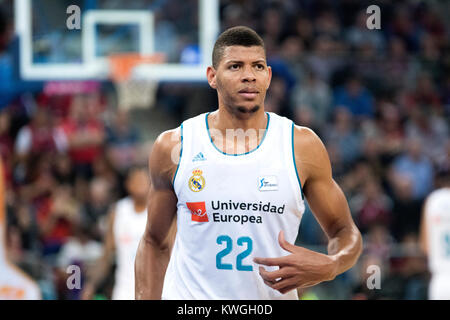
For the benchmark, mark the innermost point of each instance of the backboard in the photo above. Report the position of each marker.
(54, 47)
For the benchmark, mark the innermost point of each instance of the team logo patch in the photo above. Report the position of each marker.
(198, 211)
(196, 181)
(267, 183)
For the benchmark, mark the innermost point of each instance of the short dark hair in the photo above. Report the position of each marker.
(236, 36)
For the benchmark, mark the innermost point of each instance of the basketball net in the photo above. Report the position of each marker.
(133, 93)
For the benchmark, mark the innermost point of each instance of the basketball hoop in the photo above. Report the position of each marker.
(133, 93)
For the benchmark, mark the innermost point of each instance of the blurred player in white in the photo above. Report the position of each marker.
(14, 283)
(435, 238)
(126, 224)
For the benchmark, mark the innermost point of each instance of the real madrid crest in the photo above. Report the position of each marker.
(196, 181)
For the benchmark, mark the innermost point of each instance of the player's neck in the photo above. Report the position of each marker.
(222, 120)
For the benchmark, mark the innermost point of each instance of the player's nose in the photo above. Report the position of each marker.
(248, 74)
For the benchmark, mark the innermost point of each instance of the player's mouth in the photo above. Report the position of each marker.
(248, 93)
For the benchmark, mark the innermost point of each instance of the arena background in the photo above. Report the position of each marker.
(379, 99)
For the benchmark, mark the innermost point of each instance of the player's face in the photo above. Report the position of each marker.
(241, 79)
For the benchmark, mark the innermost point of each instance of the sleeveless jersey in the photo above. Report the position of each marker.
(437, 215)
(231, 209)
(129, 227)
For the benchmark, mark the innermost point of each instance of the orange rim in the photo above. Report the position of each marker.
(122, 63)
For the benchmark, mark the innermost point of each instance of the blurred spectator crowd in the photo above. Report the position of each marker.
(379, 99)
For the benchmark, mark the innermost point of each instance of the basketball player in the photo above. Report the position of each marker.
(126, 224)
(14, 283)
(238, 192)
(435, 239)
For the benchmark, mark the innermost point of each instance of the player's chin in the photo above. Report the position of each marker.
(250, 107)
(248, 110)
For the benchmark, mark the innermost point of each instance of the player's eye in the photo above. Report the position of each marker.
(234, 66)
(260, 67)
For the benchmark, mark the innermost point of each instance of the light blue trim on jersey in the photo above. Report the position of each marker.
(295, 166)
(181, 153)
(238, 154)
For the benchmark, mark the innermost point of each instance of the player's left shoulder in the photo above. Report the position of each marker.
(311, 156)
(307, 142)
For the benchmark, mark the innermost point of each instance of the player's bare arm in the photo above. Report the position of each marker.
(154, 248)
(304, 268)
(103, 265)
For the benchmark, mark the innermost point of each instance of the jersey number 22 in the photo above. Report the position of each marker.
(229, 247)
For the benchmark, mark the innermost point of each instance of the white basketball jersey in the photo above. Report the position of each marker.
(231, 209)
(14, 283)
(129, 227)
(437, 215)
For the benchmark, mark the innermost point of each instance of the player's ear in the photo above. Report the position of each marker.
(211, 76)
(269, 69)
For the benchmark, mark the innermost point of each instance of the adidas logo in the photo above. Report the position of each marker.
(199, 157)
